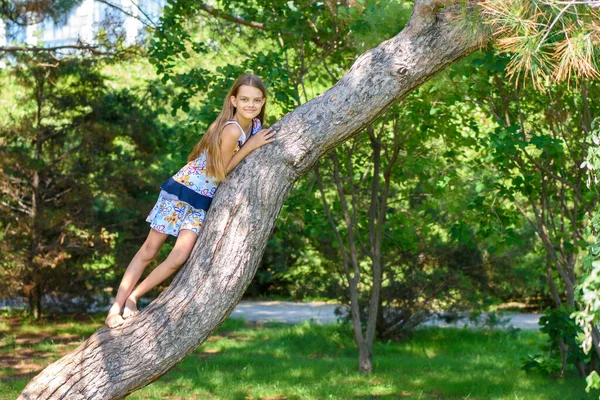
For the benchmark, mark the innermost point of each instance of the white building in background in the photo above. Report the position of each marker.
(2, 33)
(2, 40)
(85, 21)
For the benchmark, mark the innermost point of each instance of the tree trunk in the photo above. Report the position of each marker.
(114, 363)
(364, 350)
(35, 301)
(553, 290)
(365, 358)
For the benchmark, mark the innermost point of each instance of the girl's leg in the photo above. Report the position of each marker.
(181, 251)
(132, 274)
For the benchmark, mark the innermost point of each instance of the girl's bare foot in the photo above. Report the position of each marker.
(114, 320)
(130, 309)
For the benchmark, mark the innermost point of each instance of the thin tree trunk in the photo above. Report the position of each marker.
(365, 362)
(375, 227)
(37, 301)
(551, 283)
(35, 293)
(570, 286)
(34, 299)
(596, 346)
(114, 363)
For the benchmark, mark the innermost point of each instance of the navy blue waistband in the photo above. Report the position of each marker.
(186, 194)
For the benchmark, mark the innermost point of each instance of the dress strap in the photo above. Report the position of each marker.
(243, 136)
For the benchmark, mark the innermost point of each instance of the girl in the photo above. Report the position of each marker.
(185, 198)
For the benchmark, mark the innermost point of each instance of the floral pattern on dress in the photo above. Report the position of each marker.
(171, 216)
(193, 175)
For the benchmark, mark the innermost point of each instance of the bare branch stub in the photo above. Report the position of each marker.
(425, 11)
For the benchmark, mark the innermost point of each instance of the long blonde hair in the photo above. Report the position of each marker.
(211, 141)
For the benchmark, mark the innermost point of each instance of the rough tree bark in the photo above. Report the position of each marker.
(114, 363)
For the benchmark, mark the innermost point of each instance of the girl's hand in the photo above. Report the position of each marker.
(261, 138)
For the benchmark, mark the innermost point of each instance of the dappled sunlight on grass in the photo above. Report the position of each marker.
(304, 361)
(436, 363)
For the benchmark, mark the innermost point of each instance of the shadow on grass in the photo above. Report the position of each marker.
(306, 361)
(279, 361)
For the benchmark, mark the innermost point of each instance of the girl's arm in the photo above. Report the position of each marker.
(229, 139)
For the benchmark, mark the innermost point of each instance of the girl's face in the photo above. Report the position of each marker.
(248, 102)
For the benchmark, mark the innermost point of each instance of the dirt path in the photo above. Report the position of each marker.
(292, 313)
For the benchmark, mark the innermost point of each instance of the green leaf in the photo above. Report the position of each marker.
(593, 381)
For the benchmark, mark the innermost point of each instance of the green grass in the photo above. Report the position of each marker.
(305, 361)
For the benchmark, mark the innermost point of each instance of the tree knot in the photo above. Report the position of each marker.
(425, 13)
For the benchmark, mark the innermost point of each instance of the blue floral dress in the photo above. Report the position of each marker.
(186, 197)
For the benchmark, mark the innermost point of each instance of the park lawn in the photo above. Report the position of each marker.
(308, 361)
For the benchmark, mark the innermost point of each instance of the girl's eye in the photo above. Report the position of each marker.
(257, 101)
